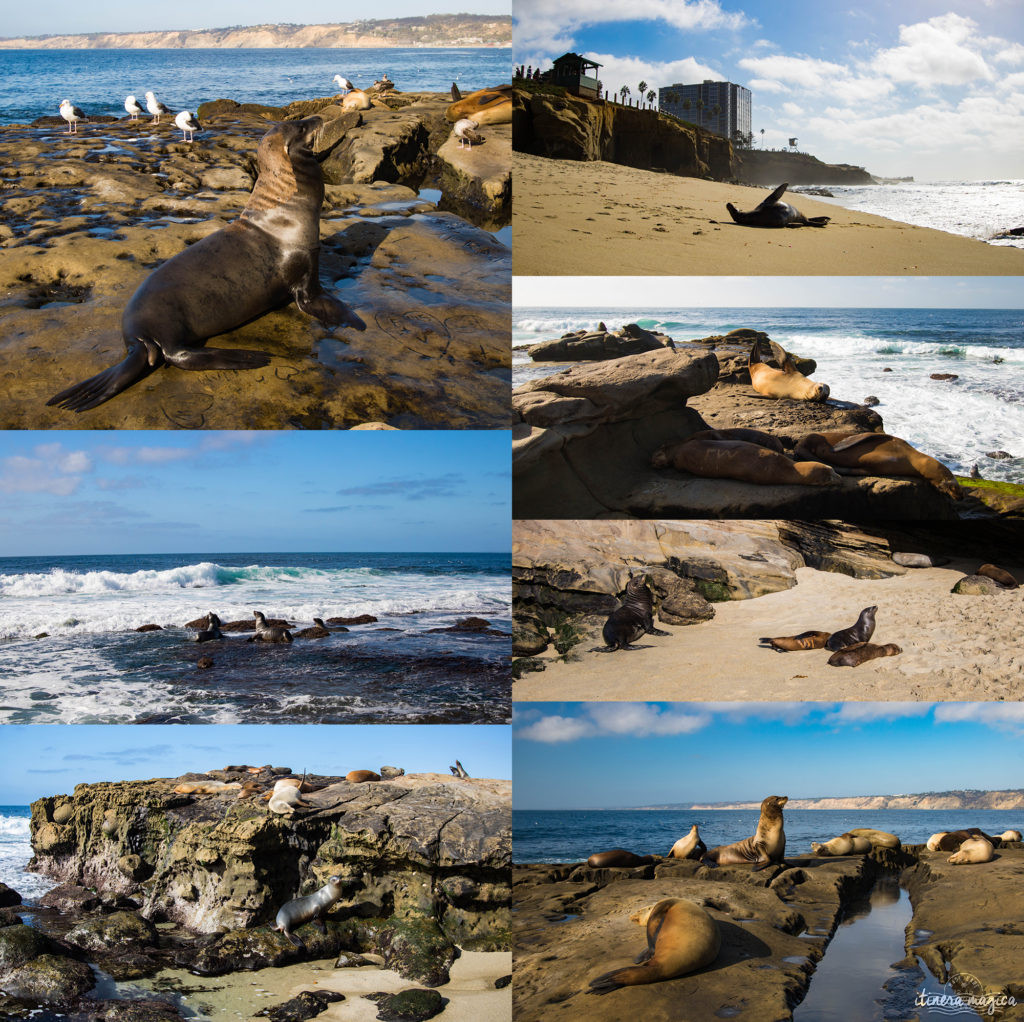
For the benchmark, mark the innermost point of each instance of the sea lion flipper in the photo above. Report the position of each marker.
(456, 94)
(328, 310)
(817, 221)
(851, 441)
(774, 197)
(141, 360)
(219, 358)
(645, 956)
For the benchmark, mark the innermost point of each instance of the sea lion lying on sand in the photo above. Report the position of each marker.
(792, 643)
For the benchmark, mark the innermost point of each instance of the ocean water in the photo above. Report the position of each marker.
(572, 835)
(33, 82)
(976, 209)
(15, 852)
(958, 422)
(93, 667)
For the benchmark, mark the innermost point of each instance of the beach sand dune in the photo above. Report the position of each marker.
(603, 219)
(954, 647)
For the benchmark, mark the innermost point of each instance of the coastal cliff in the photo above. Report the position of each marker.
(968, 800)
(763, 167)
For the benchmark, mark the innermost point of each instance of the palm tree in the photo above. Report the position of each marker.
(650, 97)
(642, 88)
(624, 93)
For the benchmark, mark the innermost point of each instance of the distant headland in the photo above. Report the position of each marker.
(966, 799)
(435, 30)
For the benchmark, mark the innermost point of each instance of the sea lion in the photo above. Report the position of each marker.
(877, 454)
(908, 560)
(975, 849)
(746, 462)
(212, 629)
(485, 106)
(269, 256)
(634, 618)
(751, 436)
(861, 652)
(878, 838)
(618, 857)
(357, 99)
(792, 643)
(787, 381)
(681, 938)
(767, 845)
(269, 633)
(459, 771)
(284, 801)
(204, 787)
(998, 575)
(689, 847)
(310, 909)
(771, 212)
(859, 632)
(318, 631)
(360, 776)
(951, 840)
(1007, 835)
(845, 844)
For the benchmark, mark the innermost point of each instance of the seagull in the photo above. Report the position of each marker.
(344, 83)
(134, 107)
(188, 125)
(155, 107)
(466, 133)
(72, 115)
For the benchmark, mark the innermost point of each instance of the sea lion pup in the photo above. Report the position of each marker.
(787, 381)
(618, 857)
(877, 454)
(269, 256)
(772, 212)
(751, 436)
(269, 633)
(878, 838)
(845, 844)
(745, 462)
(792, 643)
(284, 801)
(681, 938)
(360, 776)
(318, 631)
(485, 106)
(211, 631)
(861, 652)
(634, 618)
(311, 909)
(861, 631)
(998, 575)
(767, 845)
(688, 847)
(975, 849)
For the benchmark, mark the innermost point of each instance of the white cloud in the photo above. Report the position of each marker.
(640, 719)
(1000, 715)
(1012, 54)
(940, 51)
(557, 729)
(19, 474)
(162, 455)
(857, 712)
(619, 71)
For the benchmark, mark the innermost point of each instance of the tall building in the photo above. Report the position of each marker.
(721, 107)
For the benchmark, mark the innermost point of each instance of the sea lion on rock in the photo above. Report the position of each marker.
(311, 909)
(786, 381)
(485, 106)
(772, 212)
(751, 436)
(361, 776)
(792, 643)
(745, 462)
(861, 652)
(1007, 835)
(269, 256)
(318, 631)
(767, 845)
(975, 849)
(877, 454)
(859, 632)
(284, 801)
(681, 938)
(634, 618)
(204, 787)
(998, 575)
(269, 633)
(878, 838)
(689, 847)
(951, 840)
(212, 629)
(618, 857)
(845, 844)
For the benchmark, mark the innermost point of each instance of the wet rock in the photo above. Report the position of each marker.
(348, 960)
(944, 376)
(361, 619)
(8, 917)
(599, 345)
(70, 898)
(529, 636)
(149, 628)
(307, 1004)
(998, 455)
(502, 981)
(481, 175)
(204, 663)
(133, 1011)
(34, 967)
(417, 949)
(121, 930)
(8, 896)
(870, 401)
(408, 1006)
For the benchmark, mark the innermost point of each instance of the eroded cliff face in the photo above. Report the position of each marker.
(419, 847)
(570, 128)
(762, 167)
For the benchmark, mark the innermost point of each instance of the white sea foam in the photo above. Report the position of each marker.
(15, 852)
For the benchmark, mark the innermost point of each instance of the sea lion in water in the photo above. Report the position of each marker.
(859, 632)
(792, 643)
(689, 847)
(269, 633)
(877, 454)
(878, 838)
(767, 845)
(269, 256)
(618, 857)
(845, 844)
(310, 909)
(745, 462)
(861, 652)
(998, 575)
(976, 848)
(786, 381)
(485, 106)
(634, 618)
(681, 938)
(772, 212)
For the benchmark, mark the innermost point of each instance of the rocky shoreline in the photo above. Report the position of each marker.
(153, 879)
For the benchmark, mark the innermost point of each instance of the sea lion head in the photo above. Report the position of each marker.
(819, 392)
(950, 487)
(288, 136)
(772, 806)
(660, 458)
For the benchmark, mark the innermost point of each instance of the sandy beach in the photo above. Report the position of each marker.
(596, 218)
(954, 647)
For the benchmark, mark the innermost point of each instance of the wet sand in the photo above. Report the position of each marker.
(954, 647)
(601, 218)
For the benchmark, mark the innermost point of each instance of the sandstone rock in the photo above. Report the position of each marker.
(599, 345)
(121, 930)
(976, 585)
(70, 898)
(480, 176)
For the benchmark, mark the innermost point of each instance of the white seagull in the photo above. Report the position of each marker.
(134, 107)
(344, 83)
(155, 107)
(188, 125)
(466, 133)
(72, 115)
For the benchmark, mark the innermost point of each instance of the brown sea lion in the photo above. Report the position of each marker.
(618, 857)
(845, 844)
(785, 382)
(877, 454)
(878, 838)
(1007, 835)
(688, 847)
(951, 840)
(635, 617)
(975, 849)
(485, 106)
(998, 575)
(768, 844)
(859, 632)
(746, 462)
(681, 938)
(751, 436)
(791, 643)
(204, 787)
(861, 652)
(359, 776)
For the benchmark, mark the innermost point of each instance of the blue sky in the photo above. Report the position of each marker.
(124, 16)
(50, 759)
(85, 492)
(929, 89)
(612, 755)
(769, 292)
